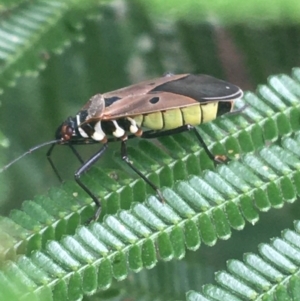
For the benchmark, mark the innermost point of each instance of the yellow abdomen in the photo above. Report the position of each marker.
(174, 118)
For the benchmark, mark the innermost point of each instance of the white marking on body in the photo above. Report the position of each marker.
(133, 127)
(81, 131)
(98, 135)
(233, 96)
(119, 132)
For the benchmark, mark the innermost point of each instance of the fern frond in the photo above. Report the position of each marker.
(29, 32)
(271, 274)
(202, 208)
(269, 116)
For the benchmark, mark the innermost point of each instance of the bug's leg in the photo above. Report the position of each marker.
(82, 169)
(124, 157)
(49, 153)
(186, 127)
(217, 158)
(75, 152)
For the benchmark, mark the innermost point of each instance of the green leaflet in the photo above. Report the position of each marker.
(202, 207)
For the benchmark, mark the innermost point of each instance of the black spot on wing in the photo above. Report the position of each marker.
(201, 88)
(111, 100)
(154, 100)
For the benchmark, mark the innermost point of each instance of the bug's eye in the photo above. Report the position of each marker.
(66, 132)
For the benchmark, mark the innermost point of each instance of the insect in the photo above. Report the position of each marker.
(150, 109)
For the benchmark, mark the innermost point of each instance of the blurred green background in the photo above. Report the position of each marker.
(126, 42)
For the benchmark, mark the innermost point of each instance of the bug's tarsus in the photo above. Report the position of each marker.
(81, 170)
(220, 159)
(125, 158)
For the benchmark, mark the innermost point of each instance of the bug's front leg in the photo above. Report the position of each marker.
(124, 157)
(75, 152)
(49, 158)
(49, 153)
(82, 169)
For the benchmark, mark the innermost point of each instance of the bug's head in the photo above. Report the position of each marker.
(66, 130)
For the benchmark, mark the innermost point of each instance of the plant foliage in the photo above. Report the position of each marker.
(48, 251)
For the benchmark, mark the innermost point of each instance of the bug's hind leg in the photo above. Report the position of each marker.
(82, 169)
(124, 157)
(215, 158)
(187, 127)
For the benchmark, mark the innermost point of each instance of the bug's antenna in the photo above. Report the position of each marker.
(29, 152)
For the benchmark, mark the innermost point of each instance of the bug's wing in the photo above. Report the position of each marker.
(202, 88)
(94, 107)
(146, 104)
(168, 93)
(141, 88)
